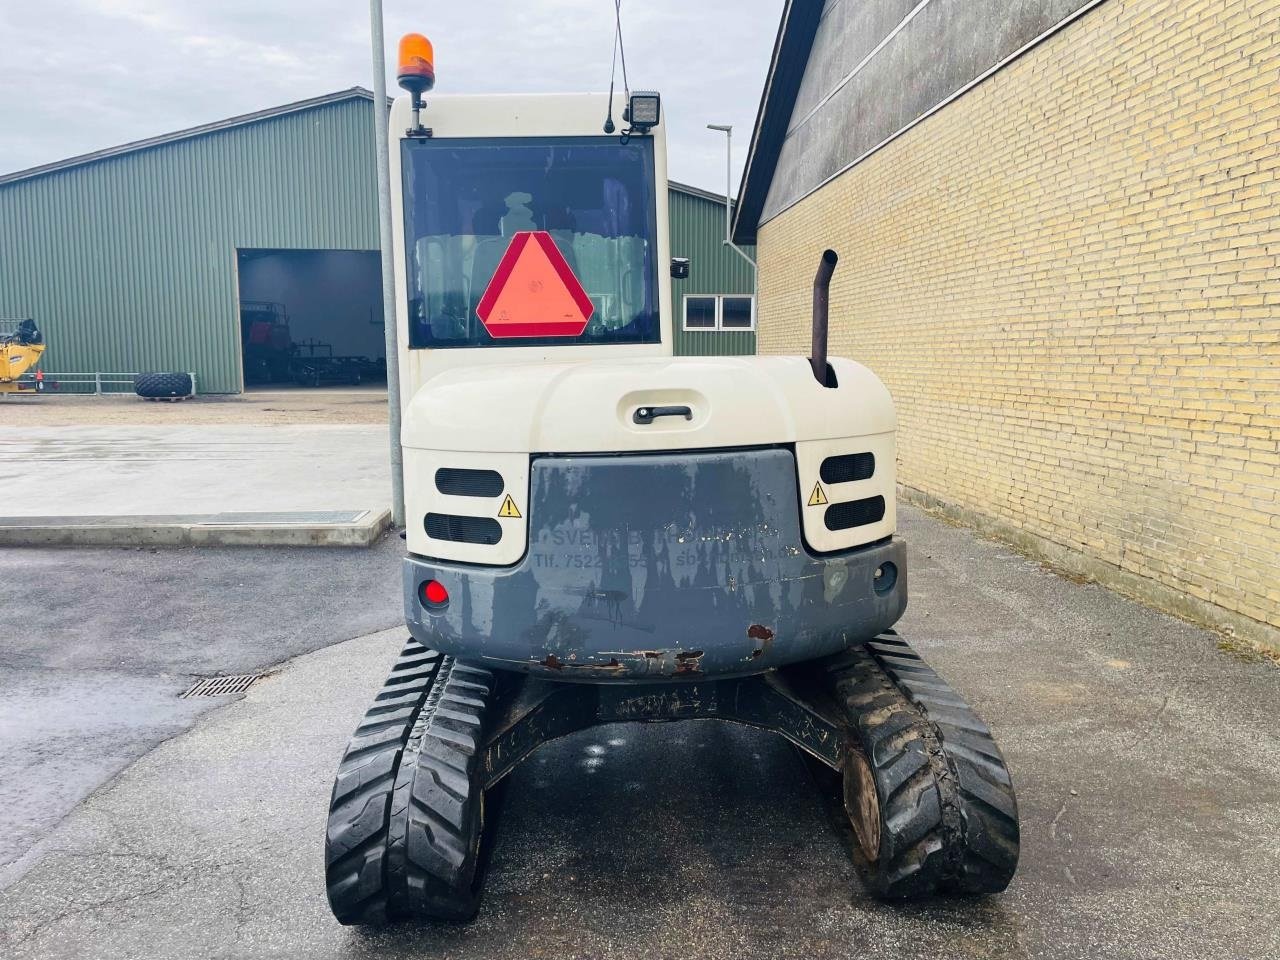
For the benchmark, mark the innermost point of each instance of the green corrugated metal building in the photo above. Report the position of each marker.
(714, 309)
(138, 257)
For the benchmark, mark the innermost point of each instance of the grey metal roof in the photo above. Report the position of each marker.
(696, 191)
(238, 121)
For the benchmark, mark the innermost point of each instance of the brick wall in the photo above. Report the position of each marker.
(1070, 280)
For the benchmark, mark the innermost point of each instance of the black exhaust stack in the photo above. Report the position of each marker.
(821, 297)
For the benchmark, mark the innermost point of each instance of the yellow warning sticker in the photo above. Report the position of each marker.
(509, 508)
(816, 499)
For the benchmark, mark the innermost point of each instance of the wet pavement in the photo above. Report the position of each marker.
(1145, 759)
(100, 643)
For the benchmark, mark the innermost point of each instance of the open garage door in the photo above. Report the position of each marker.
(311, 318)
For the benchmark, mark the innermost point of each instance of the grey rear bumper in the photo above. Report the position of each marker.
(659, 566)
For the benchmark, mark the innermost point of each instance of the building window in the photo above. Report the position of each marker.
(737, 313)
(719, 312)
(700, 313)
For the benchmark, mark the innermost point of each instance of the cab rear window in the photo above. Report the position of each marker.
(468, 201)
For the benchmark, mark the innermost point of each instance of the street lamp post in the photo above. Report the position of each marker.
(388, 263)
(727, 130)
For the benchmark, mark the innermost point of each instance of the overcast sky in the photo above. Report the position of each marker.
(79, 75)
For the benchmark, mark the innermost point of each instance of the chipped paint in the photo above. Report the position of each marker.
(572, 668)
(687, 661)
(835, 575)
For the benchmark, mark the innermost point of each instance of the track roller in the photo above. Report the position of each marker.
(925, 785)
(406, 819)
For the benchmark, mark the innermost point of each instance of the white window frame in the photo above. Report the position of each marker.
(750, 328)
(719, 327)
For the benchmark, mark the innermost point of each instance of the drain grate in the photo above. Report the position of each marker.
(221, 686)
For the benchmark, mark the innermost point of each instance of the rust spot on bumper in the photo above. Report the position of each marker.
(758, 631)
(687, 661)
(613, 667)
(637, 663)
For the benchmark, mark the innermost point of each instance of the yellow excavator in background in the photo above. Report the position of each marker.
(20, 348)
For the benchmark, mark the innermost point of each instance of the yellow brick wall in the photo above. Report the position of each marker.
(1070, 280)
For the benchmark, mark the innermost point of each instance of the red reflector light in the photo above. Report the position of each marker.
(434, 594)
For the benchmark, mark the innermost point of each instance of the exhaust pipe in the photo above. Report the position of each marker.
(821, 296)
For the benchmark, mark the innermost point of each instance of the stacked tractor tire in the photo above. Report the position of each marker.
(162, 386)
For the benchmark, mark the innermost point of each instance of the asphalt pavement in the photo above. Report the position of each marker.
(98, 644)
(1145, 759)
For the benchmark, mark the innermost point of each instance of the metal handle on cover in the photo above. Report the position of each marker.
(649, 414)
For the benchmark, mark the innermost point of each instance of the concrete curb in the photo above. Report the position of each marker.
(190, 531)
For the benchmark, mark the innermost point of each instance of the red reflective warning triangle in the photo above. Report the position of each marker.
(534, 293)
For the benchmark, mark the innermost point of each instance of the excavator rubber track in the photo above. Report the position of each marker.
(406, 818)
(943, 817)
(924, 784)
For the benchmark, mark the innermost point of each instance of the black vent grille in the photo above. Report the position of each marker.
(855, 513)
(448, 526)
(848, 467)
(457, 482)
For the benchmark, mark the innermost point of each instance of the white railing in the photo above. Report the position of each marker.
(99, 383)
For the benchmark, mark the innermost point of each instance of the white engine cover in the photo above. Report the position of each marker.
(496, 416)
